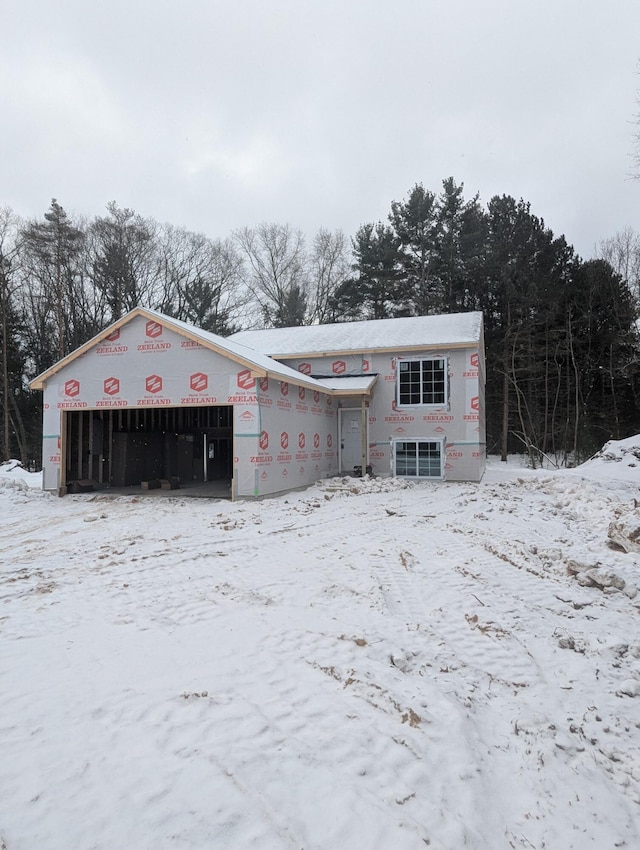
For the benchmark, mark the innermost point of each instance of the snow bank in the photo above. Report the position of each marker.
(13, 474)
(617, 459)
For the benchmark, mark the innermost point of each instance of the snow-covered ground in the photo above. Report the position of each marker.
(362, 665)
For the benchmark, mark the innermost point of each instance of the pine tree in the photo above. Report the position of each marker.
(51, 251)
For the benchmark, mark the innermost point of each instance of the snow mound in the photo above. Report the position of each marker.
(616, 459)
(349, 486)
(624, 531)
(9, 465)
(593, 573)
(12, 473)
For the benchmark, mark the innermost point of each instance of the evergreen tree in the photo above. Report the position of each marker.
(525, 265)
(374, 292)
(602, 314)
(462, 234)
(51, 254)
(417, 228)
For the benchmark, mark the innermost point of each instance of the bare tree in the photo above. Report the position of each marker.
(123, 260)
(635, 156)
(622, 252)
(8, 256)
(201, 280)
(277, 272)
(329, 268)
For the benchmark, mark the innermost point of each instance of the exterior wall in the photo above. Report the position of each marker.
(460, 423)
(284, 436)
(297, 442)
(50, 441)
(146, 365)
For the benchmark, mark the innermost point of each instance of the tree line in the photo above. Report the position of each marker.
(561, 333)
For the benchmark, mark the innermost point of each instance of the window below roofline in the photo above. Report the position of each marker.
(417, 457)
(422, 382)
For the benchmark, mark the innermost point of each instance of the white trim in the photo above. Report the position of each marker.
(340, 412)
(439, 440)
(440, 404)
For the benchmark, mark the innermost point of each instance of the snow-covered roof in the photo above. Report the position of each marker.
(452, 329)
(237, 351)
(349, 385)
(255, 360)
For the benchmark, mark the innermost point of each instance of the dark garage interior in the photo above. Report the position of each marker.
(132, 447)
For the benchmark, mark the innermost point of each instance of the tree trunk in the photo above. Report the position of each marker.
(5, 367)
(505, 416)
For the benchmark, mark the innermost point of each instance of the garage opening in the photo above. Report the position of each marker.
(124, 448)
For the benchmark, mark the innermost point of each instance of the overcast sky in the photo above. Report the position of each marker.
(214, 115)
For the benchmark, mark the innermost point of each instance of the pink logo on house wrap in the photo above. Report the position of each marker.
(245, 381)
(474, 360)
(72, 388)
(329, 441)
(198, 382)
(475, 403)
(113, 336)
(284, 388)
(316, 396)
(284, 440)
(305, 368)
(301, 393)
(316, 441)
(339, 367)
(111, 386)
(153, 383)
(264, 384)
(263, 441)
(153, 329)
(301, 440)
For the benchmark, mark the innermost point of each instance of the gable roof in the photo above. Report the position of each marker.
(453, 330)
(259, 363)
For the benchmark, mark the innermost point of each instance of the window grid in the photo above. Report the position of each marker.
(422, 382)
(418, 458)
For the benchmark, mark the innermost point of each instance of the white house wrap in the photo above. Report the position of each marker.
(155, 398)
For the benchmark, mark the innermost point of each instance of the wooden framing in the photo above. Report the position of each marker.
(364, 460)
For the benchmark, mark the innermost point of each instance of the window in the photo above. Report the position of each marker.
(419, 458)
(422, 382)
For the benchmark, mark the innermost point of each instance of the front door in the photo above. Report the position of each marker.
(350, 438)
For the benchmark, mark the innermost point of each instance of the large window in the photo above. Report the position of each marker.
(419, 458)
(422, 382)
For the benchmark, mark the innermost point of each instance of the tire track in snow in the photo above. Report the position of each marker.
(503, 650)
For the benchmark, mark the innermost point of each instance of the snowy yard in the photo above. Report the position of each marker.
(360, 666)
